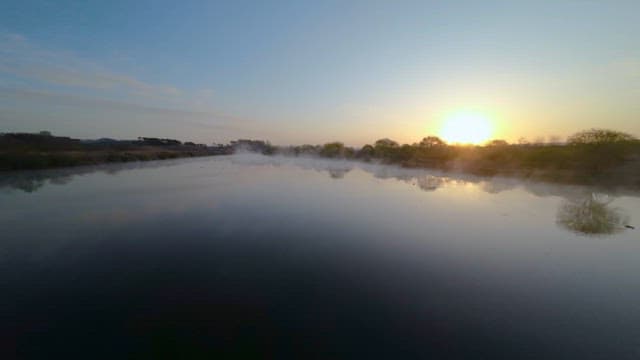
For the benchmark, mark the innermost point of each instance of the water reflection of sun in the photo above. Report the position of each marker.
(466, 128)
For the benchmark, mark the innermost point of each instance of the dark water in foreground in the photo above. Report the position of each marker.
(247, 256)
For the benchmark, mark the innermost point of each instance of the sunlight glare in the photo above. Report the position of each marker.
(466, 128)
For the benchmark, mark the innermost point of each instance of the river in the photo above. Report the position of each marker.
(249, 256)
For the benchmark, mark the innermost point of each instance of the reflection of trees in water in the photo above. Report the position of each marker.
(384, 172)
(32, 181)
(61, 180)
(338, 173)
(591, 215)
(24, 183)
(585, 213)
(497, 186)
(336, 169)
(418, 177)
(430, 183)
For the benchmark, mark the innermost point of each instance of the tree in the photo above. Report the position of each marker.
(403, 153)
(386, 142)
(366, 152)
(597, 150)
(306, 149)
(385, 148)
(599, 137)
(333, 149)
(431, 141)
(497, 142)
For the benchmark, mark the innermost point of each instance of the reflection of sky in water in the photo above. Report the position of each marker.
(457, 253)
(401, 202)
(156, 188)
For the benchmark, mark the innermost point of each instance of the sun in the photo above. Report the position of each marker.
(466, 128)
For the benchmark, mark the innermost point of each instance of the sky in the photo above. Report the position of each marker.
(295, 72)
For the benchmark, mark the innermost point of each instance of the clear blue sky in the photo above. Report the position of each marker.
(315, 71)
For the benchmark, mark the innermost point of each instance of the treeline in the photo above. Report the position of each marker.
(45, 141)
(589, 156)
(43, 150)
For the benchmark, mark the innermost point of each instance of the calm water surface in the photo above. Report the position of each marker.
(248, 255)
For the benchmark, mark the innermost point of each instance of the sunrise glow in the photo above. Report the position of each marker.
(466, 128)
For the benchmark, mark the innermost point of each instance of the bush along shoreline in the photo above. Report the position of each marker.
(590, 157)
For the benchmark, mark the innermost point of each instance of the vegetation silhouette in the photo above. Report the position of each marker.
(594, 156)
(31, 181)
(599, 136)
(19, 151)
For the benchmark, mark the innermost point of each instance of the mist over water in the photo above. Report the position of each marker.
(247, 254)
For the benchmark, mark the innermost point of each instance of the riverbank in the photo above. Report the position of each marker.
(592, 157)
(46, 160)
(606, 173)
(42, 151)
